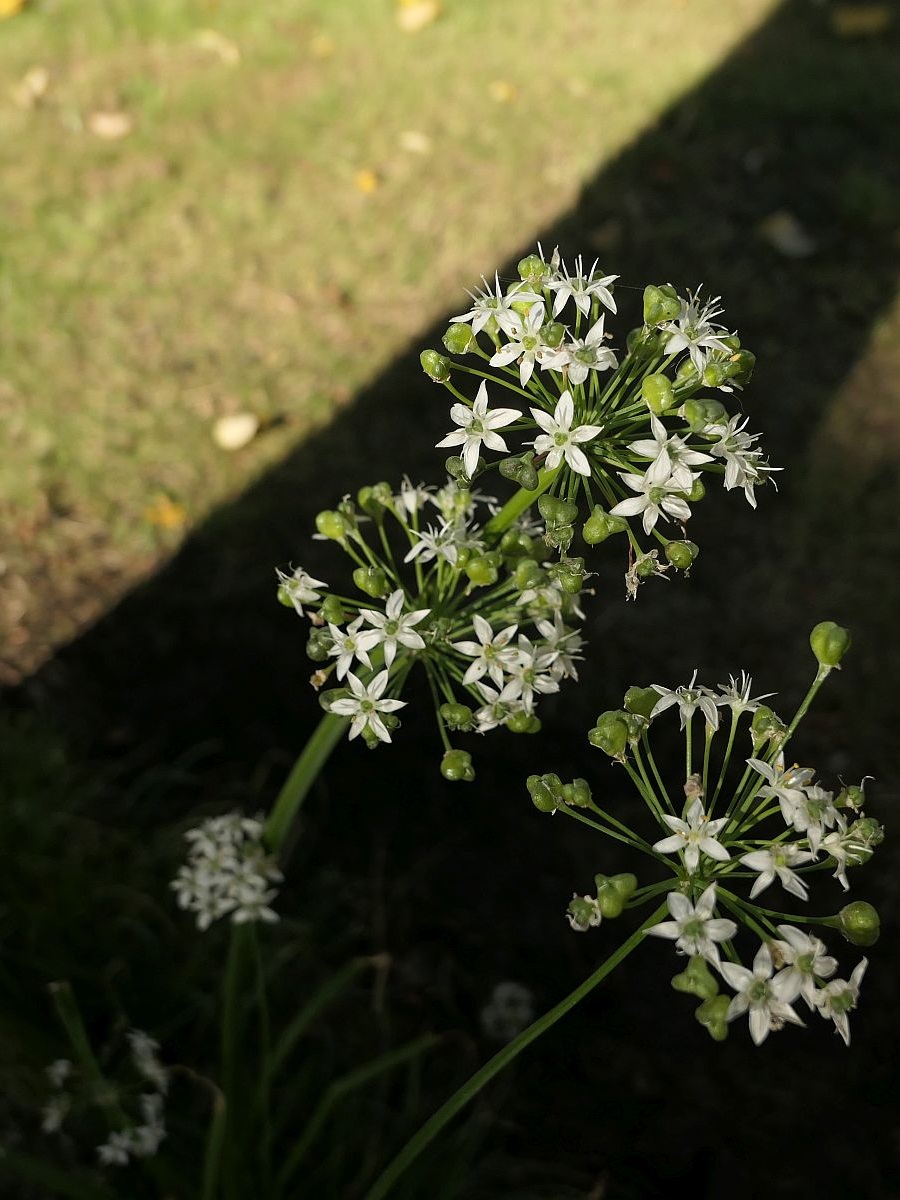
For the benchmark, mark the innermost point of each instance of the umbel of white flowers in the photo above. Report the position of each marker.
(775, 826)
(629, 434)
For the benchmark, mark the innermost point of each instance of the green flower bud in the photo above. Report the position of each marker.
(660, 304)
(557, 512)
(715, 374)
(373, 500)
(644, 342)
(372, 581)
(435, 366)
(520, 471)
(696, 980)
(641, 701)
(740, 367)
(686, 372)
(696, 494)
(859, 923)
(732, 341)
(766, 726)
(613, 892)
(570, 575)
(327, 698)
(457, 340)
(533, 271)
(829, 643)
(456, 716)
(600, 525)
(610, 734)
(545, 791)
(333, 611)
(658, 393)
(456, 469)
(528, 574)
(318, 644)
(333, 525)
(522, 722)
(713, 1016)
(553, 333)
(481, 571)
(456, 765)
(682, 554)
(700, 413)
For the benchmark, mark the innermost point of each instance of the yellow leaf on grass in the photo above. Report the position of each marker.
(9, 8)
(860, 20)
(502, 91)
(366, 181)
(413, 15)
(165, 513)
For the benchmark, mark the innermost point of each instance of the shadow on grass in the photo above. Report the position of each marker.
(794, 121)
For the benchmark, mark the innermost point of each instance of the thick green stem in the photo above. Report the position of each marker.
(304, 774)
(473, 1086)
(518, 503)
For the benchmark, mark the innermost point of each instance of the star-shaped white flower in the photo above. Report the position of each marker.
(582, 288)
(492, 653)
(672, 457)
(499, 705)
(694, 331)
(476, 428)
(559, 440)
(694, 929)
(814, 814)
(299, 587)
(352, 642)
(695, 835)
(394, 628)
(688, 699)
(530, 672)
(760, 995)
(526, 344)
(779, 859)
(491, 302)
(788, 787)
(838, 998)
(805, 960)
(737, 695)
(655, 499)
(365, 705)
(582, 355)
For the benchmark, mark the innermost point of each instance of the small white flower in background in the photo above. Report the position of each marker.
(559, 440)
(688, 699)
(764, 998)
(695, 835)
(692, 330)
(365, 704)
(228, 871)
(805, 959)
(54, 1113)
(785, 786)
(394, 628)
(412, 497)
(476, 428)
(352, 642)
(694, 928)
(492, 653)
(145, 1053)
(672, 457)
(581, 288)
(779, 859)
(59, 1071)
(838, 998)
(582, 355)
(655, 499)
(139, 1141)
(492, 303)
(300, 588)
(509, 1011)
(737, 695)
(116, 1150)
(526, 345)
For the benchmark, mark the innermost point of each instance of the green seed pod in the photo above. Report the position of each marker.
(557, 512)
(553, 333)
(658, 393)
(646, 566)
(456, 766)
(577, 794)
(660, 304)
(829, 643)
(457, 339)
(641, 701)
(713, 1016)
(732, 341)
(852, 796)
(766, 726)
(522, 722)
(859, 923)
(583, 913)
(334, 525)
(682, 554)
(435, 366)
(686, 372)
(715, 374)
(610, 733)
(327, 698)
(533, 271)
(600, 525)
(456, 716)
(456, 469)
(520, 471)
(333, 611)
(700, 413)
(375, 499)
(318, 644)
(560, 537)
(570, 575)
(481, 571)
(695, 495)
(613, 892)
(740, 366)
(696, 980)
(372, 581)
(528, 574)
(545, 791)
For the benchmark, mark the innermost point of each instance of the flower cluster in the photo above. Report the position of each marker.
(130, 1137)
(627, 433)
(474, 604)
(776, 824)
(228, 871)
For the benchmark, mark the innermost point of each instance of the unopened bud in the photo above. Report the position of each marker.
(859, 923)
(456, 766)
(482, 571)
(528, 574)
(660, 304)
(333, 611)
(435, 366)
(658, 393)
(457, 340)
(682, 554)
(600, 525)
(713, 1016)
(372, 581)
(829, 642)
(697, 980)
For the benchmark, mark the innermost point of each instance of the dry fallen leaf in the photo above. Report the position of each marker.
(321, 46)
(9, 8)
(784, 232)
(216, 43)
(32, 87)
(413, 15)
(111, 126)
(860, 20)
(165, 513)
(366, 181)
(236, 431)
(415, 142)
(501, 91)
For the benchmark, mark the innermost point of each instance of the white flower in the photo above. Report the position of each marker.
(694, 929)
(760, 995)
(365, 704)
(838, 998)
(351, 643)
(805, 960)
(565, 643)
(737, 695)
(582, 355)
(509, 1011)
(526, 343)
(145, 1053)
(412, 497)
(813, 814)
(299, 587)
(58, 1072)
(394, 628)
(743, 465)
(116, 1150)
(672, 457)
(444, 542)
(688, 699)
(559, 440)
(655, 499)
(530, 672)
(696, 834)
(785, 786)
(692, 330)
(476, 428)
(500, 705)
(492, 303)
(779, 859)
(492, 653)
(851, 847)
(54, 1113)
(582, 288)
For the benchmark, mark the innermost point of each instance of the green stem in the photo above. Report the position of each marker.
(518, 503)
(303, 775)
(473, 1086)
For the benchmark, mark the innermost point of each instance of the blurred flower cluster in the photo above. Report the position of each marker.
(228, 871)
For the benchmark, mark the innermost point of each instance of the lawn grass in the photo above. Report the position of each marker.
(261, 240)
